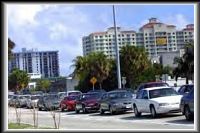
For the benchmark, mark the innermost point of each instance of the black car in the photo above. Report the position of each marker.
(116, 101)
(187, 105)
(88, 102)
(184, 89)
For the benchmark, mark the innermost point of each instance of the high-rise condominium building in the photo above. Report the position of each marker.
(45, 63)
(105, 41)
(157, 38)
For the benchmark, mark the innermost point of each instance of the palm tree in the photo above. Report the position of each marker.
(80, 65)
(185, 64)
(95, 64)
(11, 45)
(17, 80)
(134, 61)
(44, 84)
(100, 66)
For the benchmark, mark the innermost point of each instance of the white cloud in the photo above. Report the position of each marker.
(49, 27)
(179, 20)
(58, 30)
(23, 13)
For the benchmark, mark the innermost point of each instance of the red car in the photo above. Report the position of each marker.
(69, 103)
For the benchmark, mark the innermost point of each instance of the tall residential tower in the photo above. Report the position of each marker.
(45, 63)
(156, 37)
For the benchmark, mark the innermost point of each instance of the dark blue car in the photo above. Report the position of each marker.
(187, 105)
(184, 89)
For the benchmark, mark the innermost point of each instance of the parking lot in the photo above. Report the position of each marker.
(71, 120)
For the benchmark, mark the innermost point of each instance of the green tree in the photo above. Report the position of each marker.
(18, 80)
(93, 65)
(44, 85)
(99, 66)
(185, 64)
(11, 45)
(80, 64)
(134, 61)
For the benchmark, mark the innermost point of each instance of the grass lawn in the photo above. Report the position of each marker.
(24, 126)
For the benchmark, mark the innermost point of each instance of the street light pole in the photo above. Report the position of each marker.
(117, 52)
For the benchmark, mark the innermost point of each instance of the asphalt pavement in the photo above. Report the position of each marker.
(123, 121)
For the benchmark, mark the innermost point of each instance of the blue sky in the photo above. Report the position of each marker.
(62, 26)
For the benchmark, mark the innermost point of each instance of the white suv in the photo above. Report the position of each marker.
(156, 100)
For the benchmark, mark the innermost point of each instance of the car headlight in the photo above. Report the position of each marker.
(163, 104)
(116, 104)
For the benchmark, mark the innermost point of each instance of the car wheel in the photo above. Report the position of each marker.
(137, 114)
(188, 115)
(62, 109)
(153, 111)
(111, 110)
(76, 110)
(84, 110)
(40, 109)
(102, 111)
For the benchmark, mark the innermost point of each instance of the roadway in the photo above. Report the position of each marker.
(71, 120)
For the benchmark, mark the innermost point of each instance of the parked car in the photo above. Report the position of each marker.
(97, 90)
(184, 89)
(187, 105)
(13, 100)
(18, 101)
(48, 102)
(151, 84)
(10, 96)
(116, 101)
(156, 100)
(69, 102)
(33, 101)
(25, 99)
(88, 102)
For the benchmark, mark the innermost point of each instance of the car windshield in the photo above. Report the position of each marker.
(155, 85)
(35, 97)
(28, 97)
(162, 92)
(74, 93)
(117, 95)
(72, 97)
(91, 96)
(51, 97)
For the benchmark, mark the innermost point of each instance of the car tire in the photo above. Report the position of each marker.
(102, 111)
(111, 110)
(188, 114)
(62, 109)
(40, 109)
(77, 111)
(137, 114)
(153, 111)
(84, 110)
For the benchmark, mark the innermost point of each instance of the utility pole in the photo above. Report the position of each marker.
(117, 52)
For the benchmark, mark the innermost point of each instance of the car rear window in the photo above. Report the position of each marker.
(116, 95)
(74, 93)
(92, 96)
(162, 92)
(155, 85)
